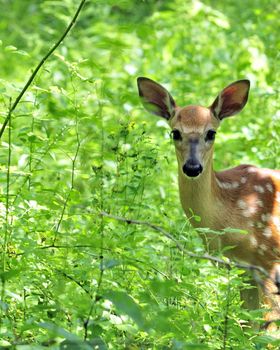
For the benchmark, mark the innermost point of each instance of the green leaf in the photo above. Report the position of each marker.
(10, 48)
(5, 276)
(266, 339)
(82, 345)
(111, 263)
(4, 343)
(53, 329)
(235, 230)
(181, 345)
(4, 306)
(126, 305)
(21, 52)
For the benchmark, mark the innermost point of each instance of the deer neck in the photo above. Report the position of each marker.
(199, 196)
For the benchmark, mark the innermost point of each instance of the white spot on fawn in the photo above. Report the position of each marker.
(267, 232)
(247, 211)
(253, 241)
(265, 217)
(252, 170)
(269, 187)
(259, 203)
(243, 179)
(235, 184)
(241, 204)
(276, 222)
(220, 184)
(252, 210)
(259, 188)
(263, 247)
(259, 224)
(227, 185)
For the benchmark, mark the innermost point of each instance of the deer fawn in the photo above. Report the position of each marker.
(244, 197)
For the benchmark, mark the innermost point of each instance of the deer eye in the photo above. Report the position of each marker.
(210, 136)
(176, 135)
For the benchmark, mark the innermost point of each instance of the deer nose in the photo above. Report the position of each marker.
(192, 169)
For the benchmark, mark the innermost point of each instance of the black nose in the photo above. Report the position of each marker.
(192, 169)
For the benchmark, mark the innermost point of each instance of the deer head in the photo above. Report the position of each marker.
(193, 128)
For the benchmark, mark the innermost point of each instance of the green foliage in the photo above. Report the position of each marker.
(80, 143)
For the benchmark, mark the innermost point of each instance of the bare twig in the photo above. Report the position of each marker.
(66, 246)
(227, 263)
(75, 281)
(41, 63)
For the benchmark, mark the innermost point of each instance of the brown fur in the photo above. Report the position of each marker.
(218, 207)
(256, 189)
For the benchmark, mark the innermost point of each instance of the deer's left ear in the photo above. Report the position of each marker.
(231, 100)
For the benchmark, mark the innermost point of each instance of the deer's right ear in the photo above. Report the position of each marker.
(231, 100)
(155, 98)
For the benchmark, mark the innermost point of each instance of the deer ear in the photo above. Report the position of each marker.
(231, 100)
(155, 98)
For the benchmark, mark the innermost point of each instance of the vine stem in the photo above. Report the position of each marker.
(40, 64)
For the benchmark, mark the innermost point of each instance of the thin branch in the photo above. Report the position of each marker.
(41, 63)
(38, 162)
(66, 246)
(229, 264)
(101, 252)
(7, 204)
(70, 190)
(74, 280)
